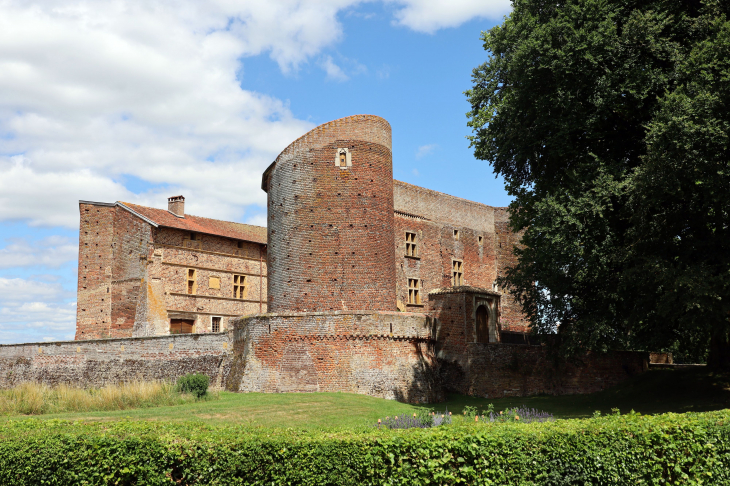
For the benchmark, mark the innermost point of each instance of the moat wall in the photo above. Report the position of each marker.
(382, 354)
(95, 363)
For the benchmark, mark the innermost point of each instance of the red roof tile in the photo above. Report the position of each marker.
(228, 229)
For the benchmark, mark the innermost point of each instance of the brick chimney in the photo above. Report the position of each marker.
(176, 205)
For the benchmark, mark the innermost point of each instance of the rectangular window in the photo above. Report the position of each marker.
(214, 283)
(411, 246)
(456, 235)
(457, 278)
(192, 281)
(481, 240)
(414, 291)
(239, 286)
(215, 324)
(193, 241)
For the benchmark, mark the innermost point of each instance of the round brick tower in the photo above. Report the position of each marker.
(330, 220)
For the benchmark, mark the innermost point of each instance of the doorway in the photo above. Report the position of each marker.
(482, 327)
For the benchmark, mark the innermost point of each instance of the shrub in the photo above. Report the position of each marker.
(194, 383)
(692, 448)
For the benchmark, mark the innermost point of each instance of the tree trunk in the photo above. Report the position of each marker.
(719, 356)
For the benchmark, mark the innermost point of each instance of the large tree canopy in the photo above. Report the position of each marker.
(610, 122)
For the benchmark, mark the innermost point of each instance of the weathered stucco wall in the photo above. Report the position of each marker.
(382, 354)
(95, 363)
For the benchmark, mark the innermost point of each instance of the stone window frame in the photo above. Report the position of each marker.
(191, 279)
(480, 239)
(348, 158)
(240, 286)
(412, 244)
(193, 241)
(213, 323)
(457, 233)
(457, 272)
(414, 291)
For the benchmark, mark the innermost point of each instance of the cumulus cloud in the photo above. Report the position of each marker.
(431, 15)
(52, 252)
(31, 310)
(92, 91)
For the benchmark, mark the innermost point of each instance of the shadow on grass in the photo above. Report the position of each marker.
(656, 391)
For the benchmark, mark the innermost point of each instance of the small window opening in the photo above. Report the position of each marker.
(457, 278)
(456, 234)
(411, 245)
(481, 239)
(192, 281)
(239, 286)
(414, 291)
(215, 324)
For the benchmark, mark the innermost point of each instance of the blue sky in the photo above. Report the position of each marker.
(139, 100)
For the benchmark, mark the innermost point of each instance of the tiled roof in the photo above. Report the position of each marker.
(228, 229)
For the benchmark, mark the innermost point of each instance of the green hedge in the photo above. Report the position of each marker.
(630, 449)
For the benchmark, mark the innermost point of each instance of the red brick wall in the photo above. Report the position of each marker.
(330, 231)
(131, 246)
(382, 354)
(499, 370)
(94, 298)
(512, 318)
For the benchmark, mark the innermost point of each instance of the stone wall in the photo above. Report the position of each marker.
(500, 370)
(107, 361)
(381, 354)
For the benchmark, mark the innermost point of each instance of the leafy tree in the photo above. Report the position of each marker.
(609, 121)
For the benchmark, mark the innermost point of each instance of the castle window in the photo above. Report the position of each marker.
(456, 234)
(215, 324)
(414, 291)
(192, 281)
(457, 273)
(193, 241)
(343, 159)
(481, 239)
(411, 246)
(214, 283)
(239, 286)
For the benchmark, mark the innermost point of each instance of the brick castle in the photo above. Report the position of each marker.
(359, 283)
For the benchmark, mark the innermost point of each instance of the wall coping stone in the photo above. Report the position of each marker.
(332, 313)
(111, 340)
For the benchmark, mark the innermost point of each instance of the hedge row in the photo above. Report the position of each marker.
(630, 449)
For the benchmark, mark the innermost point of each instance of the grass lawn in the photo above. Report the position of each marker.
(657, 391)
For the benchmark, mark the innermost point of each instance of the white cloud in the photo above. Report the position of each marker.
(415, 172)
(425, 150)
(51, 252)
(31, 310)
(431, 15)
(334, 72)
(21, 291)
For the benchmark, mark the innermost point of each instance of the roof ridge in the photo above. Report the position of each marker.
(195, 216)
